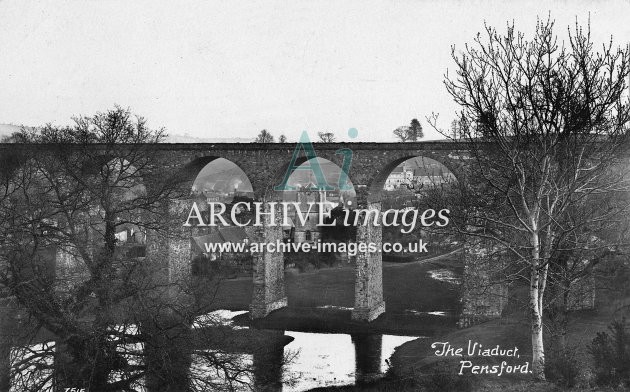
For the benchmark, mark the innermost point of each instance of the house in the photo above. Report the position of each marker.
(309, 196)
(399, 176)
(418, 176)
(222, 235)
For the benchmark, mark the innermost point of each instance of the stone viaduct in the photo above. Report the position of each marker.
(265, 165)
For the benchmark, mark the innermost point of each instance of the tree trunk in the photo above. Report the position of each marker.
(538, 351)
(536, 307)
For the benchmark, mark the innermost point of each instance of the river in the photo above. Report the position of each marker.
(303, 361)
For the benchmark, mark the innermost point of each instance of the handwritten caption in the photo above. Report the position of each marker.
(474, 350)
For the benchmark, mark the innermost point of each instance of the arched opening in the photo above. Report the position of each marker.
(421, 264)
(412, 170)
(222, 180)
(323, 276)
(308, 193)
(221, 184)
(416, 183)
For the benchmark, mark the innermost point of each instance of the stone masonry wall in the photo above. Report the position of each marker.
(368, 289)
(265, 166)
(269, 291)
(484, 294)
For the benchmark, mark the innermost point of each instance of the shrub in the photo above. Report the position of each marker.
(562, 367)
(611, 355)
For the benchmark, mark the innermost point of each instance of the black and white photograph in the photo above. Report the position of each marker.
(314, 196)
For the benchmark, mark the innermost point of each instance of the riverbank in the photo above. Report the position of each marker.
(416, 367)
(412, 361)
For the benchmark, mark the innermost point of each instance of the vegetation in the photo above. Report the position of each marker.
(65, 203)
(611, 355)
(409, 133)
(326, 137)
(264, 137)
(546, 125)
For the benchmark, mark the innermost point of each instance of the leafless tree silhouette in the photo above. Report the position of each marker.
(546, 125)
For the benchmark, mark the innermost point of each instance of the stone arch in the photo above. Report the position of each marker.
(279, 174)
(223, 181)
(188, 173)
(264, 165)
(369, 300)
(479, 301)
(208, 178)
(308, 230)
(375, 187)
(238, 180)
(267, 267)
(306, 190)
(269, 288)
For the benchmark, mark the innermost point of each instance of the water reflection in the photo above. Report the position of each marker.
(339, 359)
(34, 367)
(441, 313)
(221, 357)
(445, 275)
(220, 317)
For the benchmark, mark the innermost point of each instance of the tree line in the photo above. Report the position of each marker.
(407, 133)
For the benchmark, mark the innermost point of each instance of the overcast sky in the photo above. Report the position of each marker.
(228, 69)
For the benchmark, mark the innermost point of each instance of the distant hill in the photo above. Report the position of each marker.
(8, 129)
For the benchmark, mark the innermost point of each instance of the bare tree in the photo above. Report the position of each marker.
(264, 137)
(592, 231)
(546, 125)
(326, 137)
(282, 139)
(73, 199)
(456, 128)
(85, 197)
(402, 133)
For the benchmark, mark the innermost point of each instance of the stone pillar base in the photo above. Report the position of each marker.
(368, 314)
(257, 311)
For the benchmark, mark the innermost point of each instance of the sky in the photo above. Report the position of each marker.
(231, 68)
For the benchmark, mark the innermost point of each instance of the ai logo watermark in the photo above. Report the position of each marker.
(407, 218)
(312, 164)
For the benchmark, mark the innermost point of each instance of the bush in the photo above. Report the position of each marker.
(611, 355)
(562, 367)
